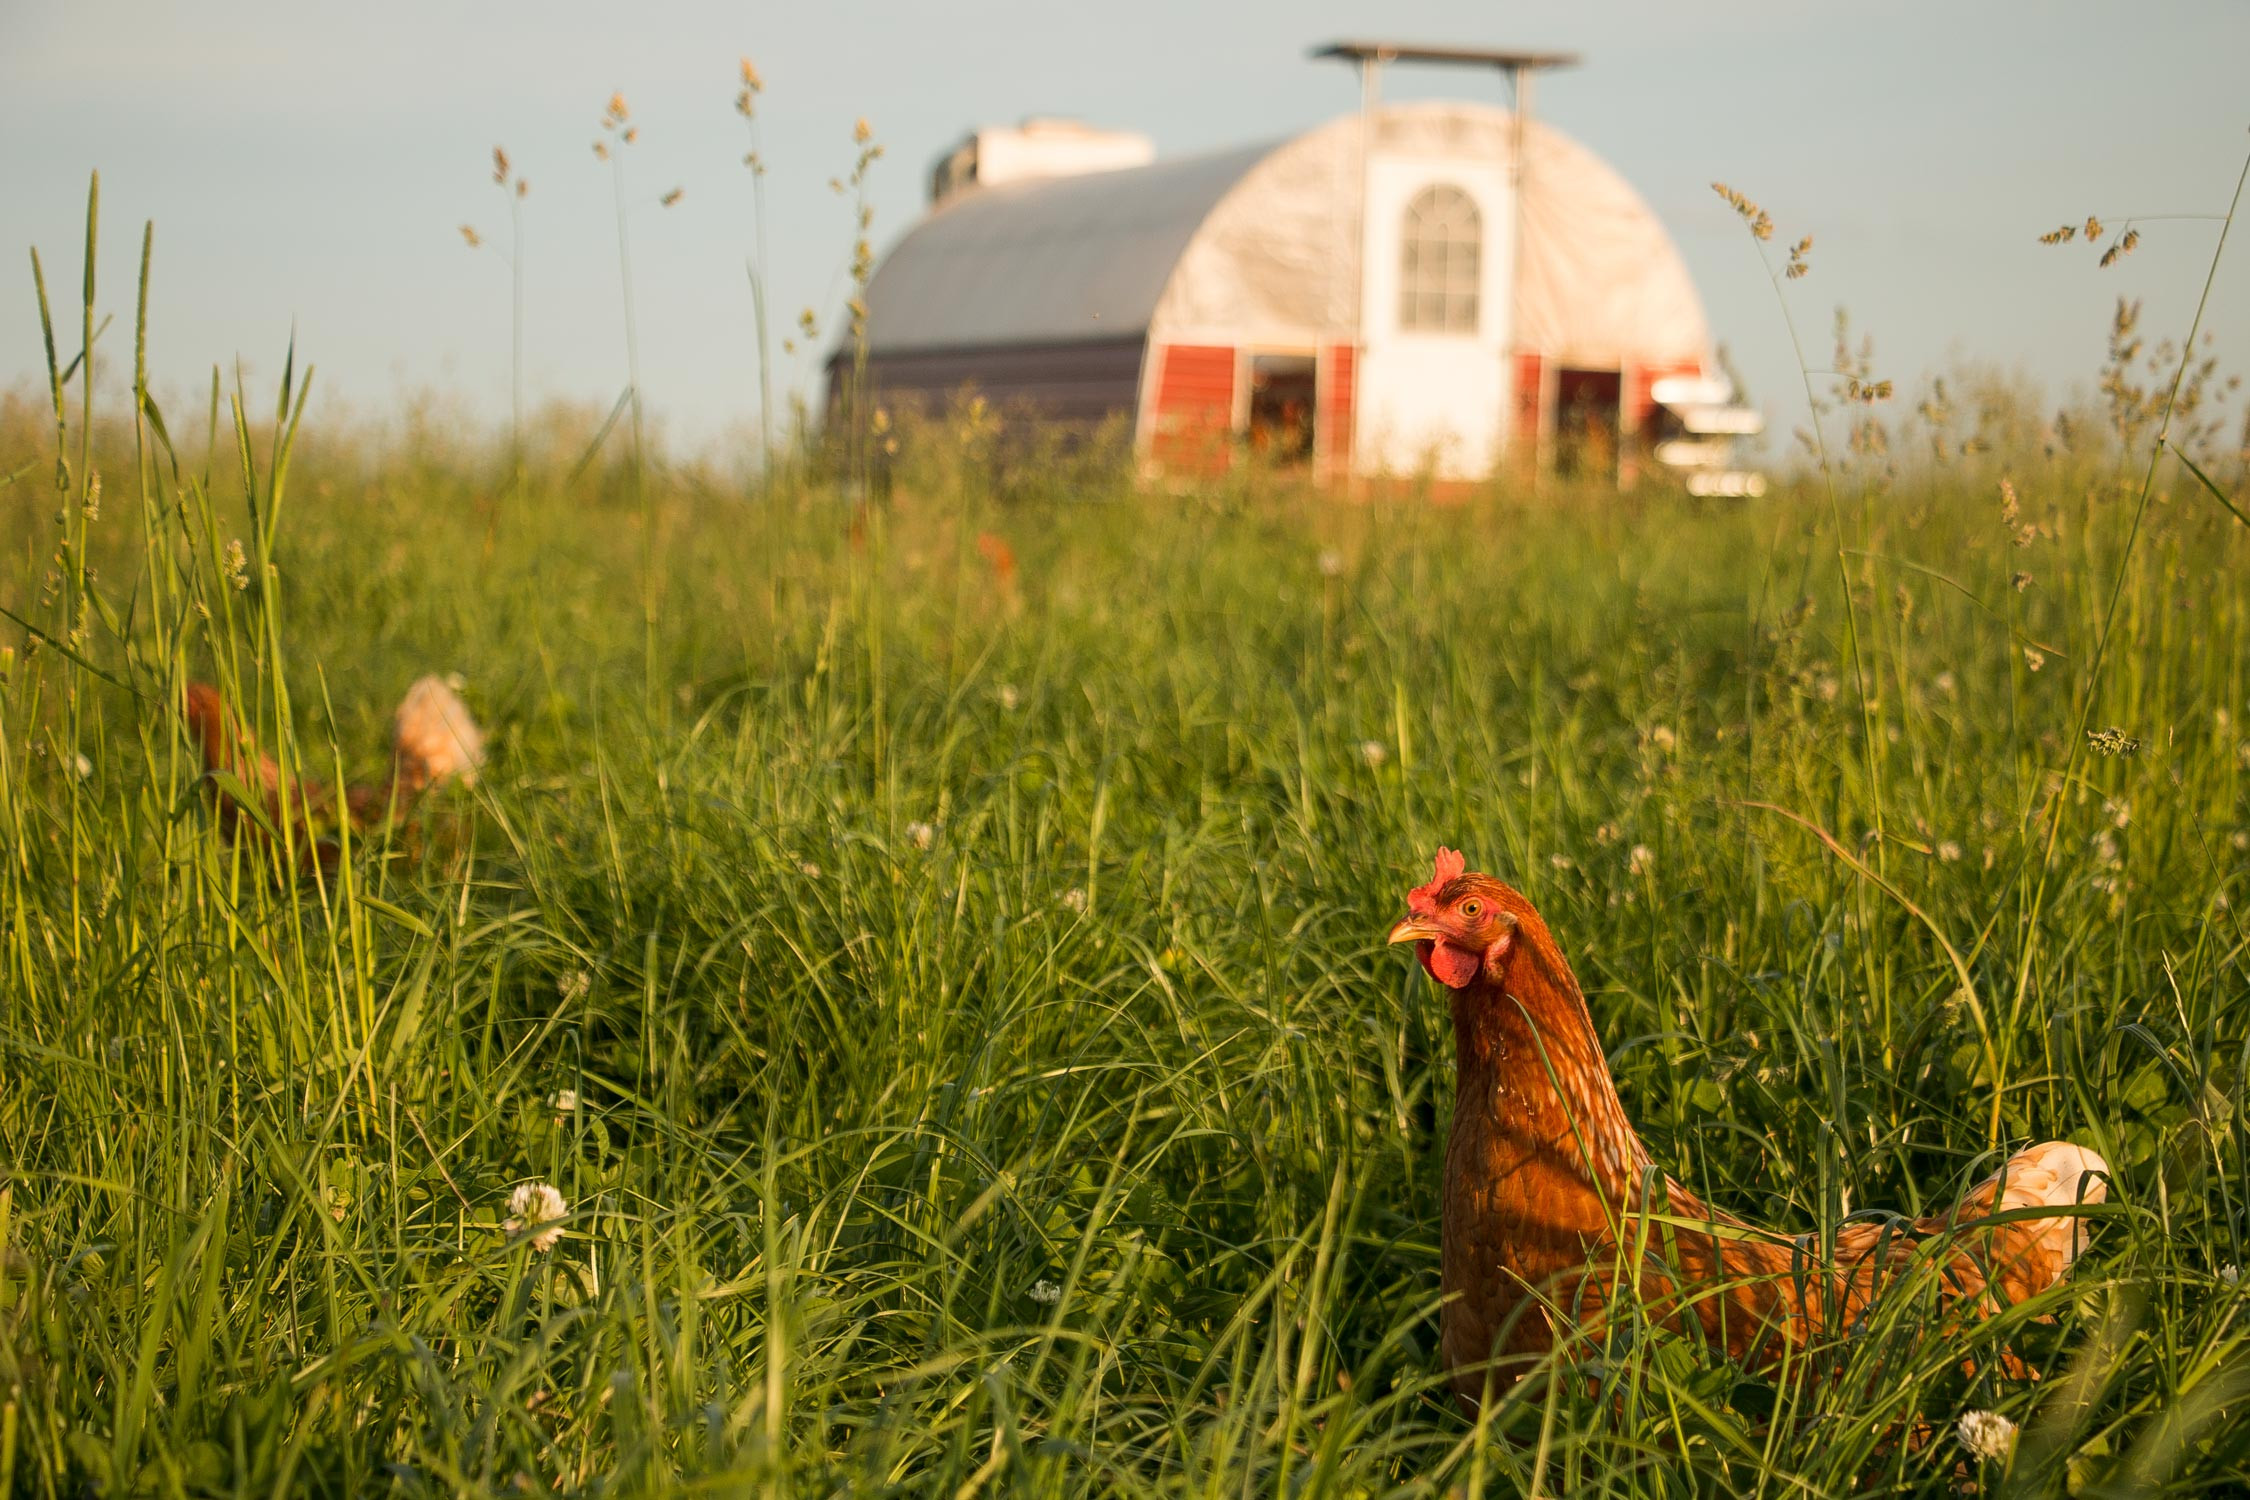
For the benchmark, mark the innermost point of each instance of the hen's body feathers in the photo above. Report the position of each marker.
(1551, 1200)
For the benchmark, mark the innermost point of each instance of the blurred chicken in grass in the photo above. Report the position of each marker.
(434, 740)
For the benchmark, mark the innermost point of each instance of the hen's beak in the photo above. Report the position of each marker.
(1414, 930)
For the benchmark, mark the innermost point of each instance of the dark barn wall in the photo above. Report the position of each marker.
(1074, 384)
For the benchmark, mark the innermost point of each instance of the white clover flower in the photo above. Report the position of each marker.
(566, 1102)
(2231, 1275)
(1944, 682)
(1664, 739)
(1829, 687)
(1331, 564)
(920, 835)
(2120, 812)
(83, 767)
(2033, 658)
(1374, 752)
(573, 987)
(1045, 1292)
(1987, 1434)
(1949, 851)
(1008, 696)
(1606, 835)
(1560, 861)
(1075, 899)
(533, 1204)
(1641, 860)
(809, 870)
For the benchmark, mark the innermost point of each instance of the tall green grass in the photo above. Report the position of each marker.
(953, 1006)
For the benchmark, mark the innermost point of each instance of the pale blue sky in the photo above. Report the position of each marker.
(310, 163)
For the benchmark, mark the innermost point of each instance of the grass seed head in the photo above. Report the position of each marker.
(2112, 742)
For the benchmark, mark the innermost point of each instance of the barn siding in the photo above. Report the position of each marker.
(1524, 435)
(1077, 384)
(1640, 390)
(1194, 427)
(1339, 374)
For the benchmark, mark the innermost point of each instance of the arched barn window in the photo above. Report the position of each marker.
(1441, 262)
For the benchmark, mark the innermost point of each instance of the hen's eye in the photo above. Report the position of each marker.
(1472, 908)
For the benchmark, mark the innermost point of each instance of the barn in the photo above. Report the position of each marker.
(1391, 293)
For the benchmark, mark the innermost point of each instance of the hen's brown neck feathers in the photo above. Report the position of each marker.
(1531, 1064)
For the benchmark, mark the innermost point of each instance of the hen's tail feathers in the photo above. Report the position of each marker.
(434, 739)
(220, 743)
(2027, 1256)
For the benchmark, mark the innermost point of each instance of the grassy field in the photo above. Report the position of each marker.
(950, 996)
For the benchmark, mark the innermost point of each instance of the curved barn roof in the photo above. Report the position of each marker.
(1264, 241)
(1047, 261)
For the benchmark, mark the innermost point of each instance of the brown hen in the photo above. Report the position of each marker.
(1545, 1181)
(433, 740)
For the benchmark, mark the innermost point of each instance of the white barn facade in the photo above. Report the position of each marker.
(1383, 294)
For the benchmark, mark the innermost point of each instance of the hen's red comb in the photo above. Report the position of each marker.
(1447, 868)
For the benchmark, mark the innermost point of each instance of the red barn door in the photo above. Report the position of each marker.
(1193, 430)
